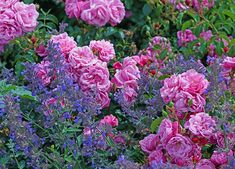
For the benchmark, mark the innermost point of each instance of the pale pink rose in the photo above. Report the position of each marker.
(110, 119)
(97, 14)
(172, 86)
(197, 82)
(167, 130)
(103, 99)
(206, 35)
(129, 93)
(179, 147)
(9, 28)
(26, 15)
(95, 77)
(201, 124)
(103, 49)
(65, 42)
(149, 143)
(80, 57)
(156, 156)
(219, 158)
(74, 8)
(41, 71)
(41, 50)
(185, 102)
(185, 37)
(205, 164)
(116, 12)
(228, 63)
(7, 3)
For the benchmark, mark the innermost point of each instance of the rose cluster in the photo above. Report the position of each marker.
(16, 18)
(87, 65)
(96, 12)
(186, 92)
(195, 4)
(183, 146)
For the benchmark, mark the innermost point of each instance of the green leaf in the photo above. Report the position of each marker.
(128, 3)
(186, 24)
(147, 9)
(232, 51)
(163, 77)
(155, 124)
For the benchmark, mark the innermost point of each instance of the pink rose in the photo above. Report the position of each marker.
(229, 63)
(206, 35)
(9, 28)
(220, 139)
(26, 15)
(42, 69)
(95, 77)
(116, 11)
(41, 50)
(74, 8)
(80, 57)
(97, 14)
(197, 82)
(149, 143)
(110, 119)
(179, 147)
(201, 124)
(7, 3)
(129, 93)
(156, 156)
(167, 130)
(205, 164)
(103, 99)
(117, 65)
(65, 42)
(219, 158)
(103, 49)
(172, 86)
(185, 37)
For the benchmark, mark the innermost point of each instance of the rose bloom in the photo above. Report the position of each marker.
(220, 140)
(111, 120)
(149, 143)
(179, 147)
(219, 158)
(7, 3)
(9, 28)
(229, 63)
(41, 71)
(167, 130)
(205, 164)
(156, 156)
(103, 49)
(95, 77)
(116, 11)
(103, 99)
(129, 93)
(97, 14)
(41, 50)
(26, 15)
(185, 37)
(201, 124)
(206, 35)
(197, 82)
(65, 42)
(74, 8)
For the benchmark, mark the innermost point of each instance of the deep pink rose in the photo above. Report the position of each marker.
(172, 86)
(200, 4)
(229, 63)
(117, 65)
(149, 143)
(185, 37)
(219, 158)
(167, 130)
(103, 49)
(206, 35)
(179, 147)
(220, 140)
(156, 156)
(74, 8)
(7, 3)
(80, 57)
(9, 28)
(65, 42)
(110, 119)
(129, 93)
(97, 14)
(201, 124)
(42, 69)
(116, 11)
(26, 15)
(205, 164)
(103, 99)
(197, 82)
(41, 50)
(95, 77)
